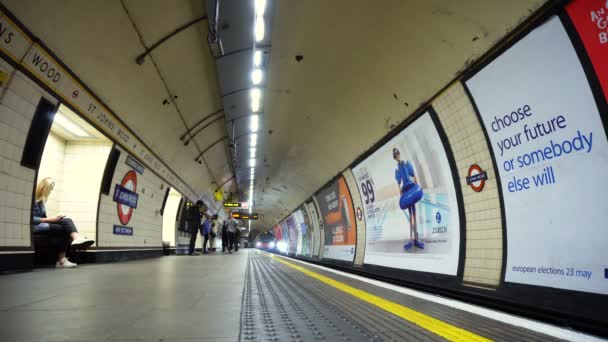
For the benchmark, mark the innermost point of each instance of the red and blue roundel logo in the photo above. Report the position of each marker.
(129, 182)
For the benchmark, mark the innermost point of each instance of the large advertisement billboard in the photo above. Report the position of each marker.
(336, 207)
(293, 233)
(316, 230)
(409, 200)
(282, 236)
(305, 236)
(551, 153)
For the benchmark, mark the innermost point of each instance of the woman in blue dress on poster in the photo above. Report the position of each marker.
(411, 193)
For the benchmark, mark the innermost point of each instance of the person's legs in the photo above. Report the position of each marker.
(192, 240)
(70, 228)
(417, 241)
(212, 244)
(231, 237)
(205, 240)
(410, 243)
(61, 241)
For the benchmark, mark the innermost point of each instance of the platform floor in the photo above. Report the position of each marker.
(246, 296)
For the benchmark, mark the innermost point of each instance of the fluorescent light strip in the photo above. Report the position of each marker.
(259, 28)
(257, 76)
(256, 96)
(254, 141)
(252, 162)
(260, 7)
(255, 123)
(257, 58)
(70, 126)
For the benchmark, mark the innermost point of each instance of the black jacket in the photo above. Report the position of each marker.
(194, 219)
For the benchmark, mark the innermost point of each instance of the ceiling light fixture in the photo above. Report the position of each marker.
(70, 126)
(256, 96)
(252, 162)
(255, 120)
(254, 140)
(257, 58)
(252, 151)
(260, 7)
(259, 28)
(256, 76)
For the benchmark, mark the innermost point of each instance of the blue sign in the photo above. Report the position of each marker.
(125, 196)
(122, 230)
(135, 165)
(606, 273)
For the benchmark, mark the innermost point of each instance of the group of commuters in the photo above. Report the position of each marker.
(199, 219)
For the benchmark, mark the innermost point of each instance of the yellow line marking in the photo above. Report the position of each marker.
(441, 328)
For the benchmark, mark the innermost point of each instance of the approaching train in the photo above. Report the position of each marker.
(265, 241)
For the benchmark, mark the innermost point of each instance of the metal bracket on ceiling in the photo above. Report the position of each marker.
(198, 158)
(183, 136)
(142, 57)
(191, 137)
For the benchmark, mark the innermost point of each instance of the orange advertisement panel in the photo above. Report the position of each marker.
(336, 207)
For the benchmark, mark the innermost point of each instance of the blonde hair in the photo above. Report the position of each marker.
(44, 188)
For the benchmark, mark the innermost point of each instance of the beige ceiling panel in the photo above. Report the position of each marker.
(184, 59)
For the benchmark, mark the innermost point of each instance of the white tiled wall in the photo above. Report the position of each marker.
(81, 195)
(146, 220)
(483, 260)
(17, 107)
(51, 165)
(77, 169)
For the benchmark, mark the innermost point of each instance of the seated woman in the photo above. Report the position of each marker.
(59, 228)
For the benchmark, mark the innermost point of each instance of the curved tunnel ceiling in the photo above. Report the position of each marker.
(366, 67)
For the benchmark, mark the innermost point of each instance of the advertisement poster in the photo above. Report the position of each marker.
(282, 237)
(552, 155)
(316, 230)
(278, 234)
(590, 18)
(305, 231)
(301, 233)
(409, 201)
(293, 234)
(336, 207)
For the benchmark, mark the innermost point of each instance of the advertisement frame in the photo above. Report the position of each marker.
(322, 256)
(559, 11)
(455, 178)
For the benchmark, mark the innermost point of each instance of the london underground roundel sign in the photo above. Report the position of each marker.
(128, 182)
(476, 177)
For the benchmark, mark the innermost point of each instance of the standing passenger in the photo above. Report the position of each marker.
(194, 223)
(225, 236)
(206, 231)
(213, 234)
(231, 229)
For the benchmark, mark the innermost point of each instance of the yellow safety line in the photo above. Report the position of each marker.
(443, 329)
